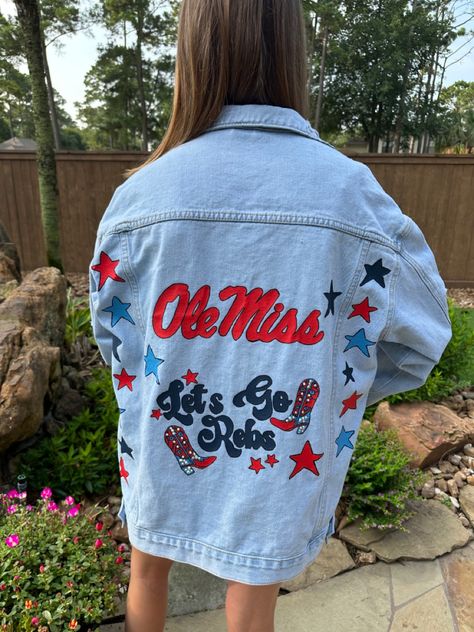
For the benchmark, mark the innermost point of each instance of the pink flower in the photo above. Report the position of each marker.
(46, 492)
(99, 526)
(22, 495)
(98, 543)
(121, 547)
(69, 500)
(76, 539)
(119, 559)
(52, 506)
(42, 568)
(73, 511)
(70, 583)
(12, 540)
(34, 620)
(12, 493)
(3, 586)
(16, 577)
(29, 507)
(12, 508)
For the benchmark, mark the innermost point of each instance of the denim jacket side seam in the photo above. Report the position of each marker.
(335, 349)
(132, 280)
(252, 217)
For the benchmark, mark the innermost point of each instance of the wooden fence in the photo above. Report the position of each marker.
(437, 191)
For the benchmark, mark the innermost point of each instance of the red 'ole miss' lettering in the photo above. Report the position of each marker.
(255, 312)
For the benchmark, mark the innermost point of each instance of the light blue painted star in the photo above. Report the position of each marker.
(360, 341)
(152, 363)
(118, 310)
(344, 440)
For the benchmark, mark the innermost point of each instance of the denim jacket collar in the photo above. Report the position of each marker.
(263, 116)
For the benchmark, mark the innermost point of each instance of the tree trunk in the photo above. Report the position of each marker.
(141, 85)
(321, 78)
(28, 16)
(52, 106)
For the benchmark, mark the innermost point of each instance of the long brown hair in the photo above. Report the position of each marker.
(234, 52)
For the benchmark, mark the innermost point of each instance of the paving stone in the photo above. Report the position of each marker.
(332, 560)
(428, 612)
(412, 578)
(431, 532)
(466, 500)
(458, 571)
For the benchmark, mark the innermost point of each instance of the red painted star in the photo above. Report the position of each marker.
(350, 402)
(190, 377)
(256, 465)
(271, 459)
(124, 379)
(363, 309)
(305, 460)
(106, 268)
(156, 413)
(123, 471)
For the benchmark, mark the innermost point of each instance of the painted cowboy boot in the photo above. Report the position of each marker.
(308, 393)
(177, 441)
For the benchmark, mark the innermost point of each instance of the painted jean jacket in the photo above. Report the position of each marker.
(252, 291)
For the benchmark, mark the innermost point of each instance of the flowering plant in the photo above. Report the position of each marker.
(59, 566)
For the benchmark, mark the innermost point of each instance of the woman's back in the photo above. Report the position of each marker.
(253, 290)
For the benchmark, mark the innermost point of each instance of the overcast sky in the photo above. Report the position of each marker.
(69, 66)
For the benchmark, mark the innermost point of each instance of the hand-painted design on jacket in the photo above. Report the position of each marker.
(249, 312)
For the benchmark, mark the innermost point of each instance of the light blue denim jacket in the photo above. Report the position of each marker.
(253, 290)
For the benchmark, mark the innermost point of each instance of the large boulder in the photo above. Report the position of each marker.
(32, 324)
(10, 273)
(427, 430)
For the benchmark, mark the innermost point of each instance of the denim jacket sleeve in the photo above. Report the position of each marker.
(418, 328)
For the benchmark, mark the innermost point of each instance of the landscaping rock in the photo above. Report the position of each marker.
(40, 302)
(426, 430)
(431, 532)
(332, 560)
(32, 323)
(29, 368)
(466, 501)
(69, 404)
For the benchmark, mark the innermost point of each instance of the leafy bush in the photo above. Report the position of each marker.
(78, 319)
(379, 480)
(455, 369)
(82, 456)
(58, 569)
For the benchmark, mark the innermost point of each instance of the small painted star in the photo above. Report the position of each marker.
(124, 379)
(305, 460)
(348, 373)
(256, 465)
(118, 310)
(271, 460)
(152, 363)
(331, 297)
(344, 440)
(156, 413)
(375, 272)
(190, 377)
(116, 342)
(360, 341)
(124, 448)
(123, 471)
(350, 402)
(106, 268)
(363, 309)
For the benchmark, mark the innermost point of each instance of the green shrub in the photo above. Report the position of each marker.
(81, 457)
(59, 567)
(379, 480)
(455, 369)
(78, 319)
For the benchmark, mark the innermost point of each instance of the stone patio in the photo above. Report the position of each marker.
(402, 596)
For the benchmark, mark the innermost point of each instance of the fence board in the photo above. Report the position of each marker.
(436, 190)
